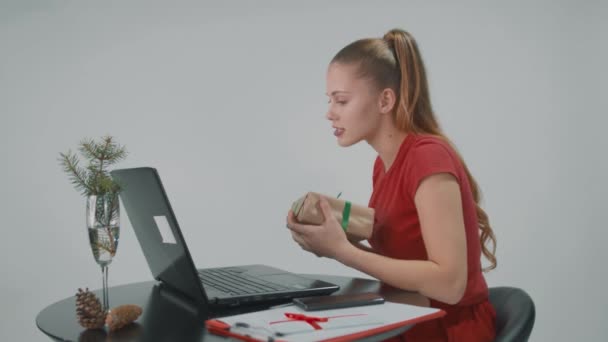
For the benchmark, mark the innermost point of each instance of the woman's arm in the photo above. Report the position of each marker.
(443, 276)
(363, 247)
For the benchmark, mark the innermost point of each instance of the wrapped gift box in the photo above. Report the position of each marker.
(356, 220)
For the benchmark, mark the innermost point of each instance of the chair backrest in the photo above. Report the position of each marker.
(515, 313)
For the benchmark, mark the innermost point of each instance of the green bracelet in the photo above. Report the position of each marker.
(346, 215)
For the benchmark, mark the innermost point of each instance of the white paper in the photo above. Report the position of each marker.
(263, 324)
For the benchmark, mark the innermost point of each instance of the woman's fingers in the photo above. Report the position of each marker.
(299, 240)
(302, 229)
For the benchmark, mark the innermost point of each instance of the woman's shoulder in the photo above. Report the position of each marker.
(426, 146)
(429, 155)
(425, 140)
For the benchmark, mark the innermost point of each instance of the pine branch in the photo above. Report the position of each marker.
(112, 152)
(107, 152)
(78, 176)
(92, 171)
(88, 149)
(106, 184)
(100, 173)
(95, 178)
(117, 154)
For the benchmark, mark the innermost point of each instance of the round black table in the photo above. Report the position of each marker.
(168, 316)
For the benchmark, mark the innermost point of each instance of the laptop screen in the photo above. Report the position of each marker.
(157, 231)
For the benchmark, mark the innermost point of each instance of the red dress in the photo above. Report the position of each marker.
(397, 235)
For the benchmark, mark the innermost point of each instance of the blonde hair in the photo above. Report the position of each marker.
(394, 62)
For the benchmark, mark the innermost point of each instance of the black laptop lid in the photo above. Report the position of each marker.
(156, 228)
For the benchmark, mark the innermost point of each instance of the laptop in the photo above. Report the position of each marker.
(155, 225)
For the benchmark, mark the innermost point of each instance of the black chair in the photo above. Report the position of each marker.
(515, 313)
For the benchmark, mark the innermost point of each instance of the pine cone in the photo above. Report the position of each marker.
(88, 310)
(122, 315)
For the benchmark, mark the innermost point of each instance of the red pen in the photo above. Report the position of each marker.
(220, 328)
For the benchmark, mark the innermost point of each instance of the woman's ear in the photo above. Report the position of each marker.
(387, 100)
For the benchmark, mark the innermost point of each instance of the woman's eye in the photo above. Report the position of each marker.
(341, 102)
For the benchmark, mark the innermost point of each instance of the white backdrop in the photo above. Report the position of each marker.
(226, 99)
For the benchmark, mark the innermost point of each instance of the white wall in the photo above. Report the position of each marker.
(227, 100)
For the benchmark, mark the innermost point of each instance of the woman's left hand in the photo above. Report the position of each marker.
(325, 240)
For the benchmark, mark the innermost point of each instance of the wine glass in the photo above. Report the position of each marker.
(103, 224)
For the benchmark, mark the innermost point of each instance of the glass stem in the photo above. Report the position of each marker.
(106, 299)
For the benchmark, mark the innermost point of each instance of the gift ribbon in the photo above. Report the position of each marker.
(312, 320)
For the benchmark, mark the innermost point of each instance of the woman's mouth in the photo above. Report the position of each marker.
(338, 131)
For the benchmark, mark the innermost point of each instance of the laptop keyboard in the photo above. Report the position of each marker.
(236, 283)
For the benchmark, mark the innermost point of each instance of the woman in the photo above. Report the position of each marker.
(429, 229)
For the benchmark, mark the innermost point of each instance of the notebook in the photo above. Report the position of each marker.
(160, 237)
(294, 324)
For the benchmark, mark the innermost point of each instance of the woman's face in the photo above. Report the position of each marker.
(353, 105)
